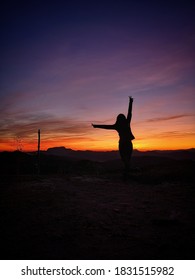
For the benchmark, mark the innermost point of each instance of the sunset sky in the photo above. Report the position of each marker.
(66, 65)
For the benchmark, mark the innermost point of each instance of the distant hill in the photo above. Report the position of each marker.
(88, 155)
(59, 160)
(112, 155)
(174, 154)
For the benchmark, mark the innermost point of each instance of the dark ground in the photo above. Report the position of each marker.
(84, 210)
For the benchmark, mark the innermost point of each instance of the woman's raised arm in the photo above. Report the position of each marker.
(129, 115)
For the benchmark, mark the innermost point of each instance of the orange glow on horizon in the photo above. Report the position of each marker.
(100, 145)
(162, 136)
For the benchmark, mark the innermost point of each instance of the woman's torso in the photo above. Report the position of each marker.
(125, 133)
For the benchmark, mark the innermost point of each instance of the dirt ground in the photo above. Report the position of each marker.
(86, 216)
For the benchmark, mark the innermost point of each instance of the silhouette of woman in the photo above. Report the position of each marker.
(122, 126)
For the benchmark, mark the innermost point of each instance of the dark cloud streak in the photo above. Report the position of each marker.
(169, 118)
(26, 126)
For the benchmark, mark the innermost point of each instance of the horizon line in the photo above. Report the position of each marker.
(97, 151)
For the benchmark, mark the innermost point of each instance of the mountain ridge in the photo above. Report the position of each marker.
(110, 155)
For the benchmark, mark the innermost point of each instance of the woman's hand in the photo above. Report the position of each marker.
(130, 99)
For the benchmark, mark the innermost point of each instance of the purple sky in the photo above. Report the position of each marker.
(64, 66)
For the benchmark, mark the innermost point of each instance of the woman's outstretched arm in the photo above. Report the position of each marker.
(104, 126)
(129, 115)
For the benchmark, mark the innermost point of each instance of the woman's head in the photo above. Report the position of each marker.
(121, 119)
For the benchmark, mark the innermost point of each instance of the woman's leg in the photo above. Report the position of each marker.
(125, 150)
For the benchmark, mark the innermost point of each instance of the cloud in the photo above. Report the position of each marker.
(171, 138)
(26, 125)
(169, 118)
